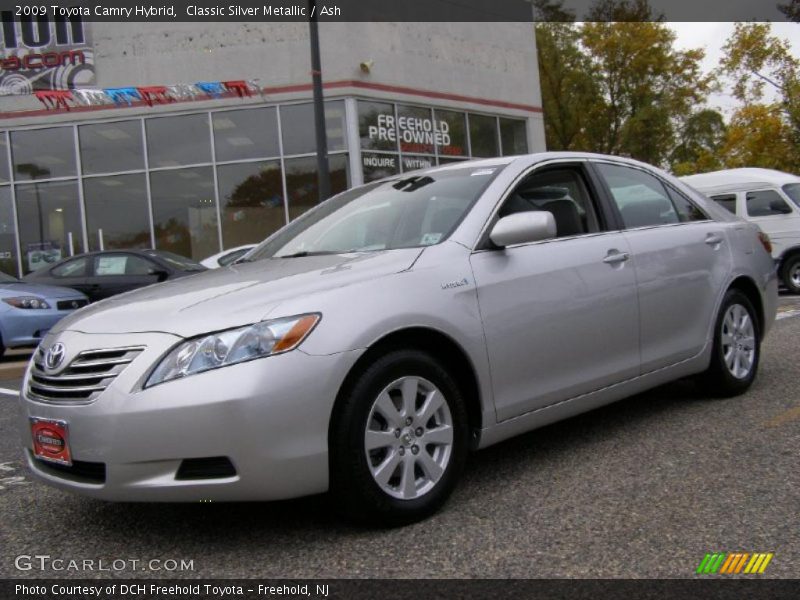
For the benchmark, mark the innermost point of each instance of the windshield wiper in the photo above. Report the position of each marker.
(310, 253)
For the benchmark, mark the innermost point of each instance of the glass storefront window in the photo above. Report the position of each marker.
(454, 143)
(4, 178)
(301, 181)
(378, 166)
(117, 206)
(416, 130)
(176, 141)
(251, 200)
(299, 134)
(513, 136)
(412, 163)
(109, 147)
(483, 135)
(376, 126)
(8, 238)
(48, 213)
(184, 212)
(243, 134)
(43, 153)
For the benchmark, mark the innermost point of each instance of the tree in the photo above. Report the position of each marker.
(700, 143)
(647, 88)
(756, 61)
(791, 10)
(616, 87)
(759, 136)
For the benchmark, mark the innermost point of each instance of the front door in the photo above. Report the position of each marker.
(560, 316)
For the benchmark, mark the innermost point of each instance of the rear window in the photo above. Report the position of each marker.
(728, 202)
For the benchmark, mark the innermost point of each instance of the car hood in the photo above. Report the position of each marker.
(232, 296)
(35, 289)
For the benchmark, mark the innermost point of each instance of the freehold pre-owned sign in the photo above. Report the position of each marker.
(410, 130)
(44, 53)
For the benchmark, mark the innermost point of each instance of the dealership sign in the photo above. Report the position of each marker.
(41, 53)
(410, 130)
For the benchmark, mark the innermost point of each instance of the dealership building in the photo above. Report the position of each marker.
(205, 172)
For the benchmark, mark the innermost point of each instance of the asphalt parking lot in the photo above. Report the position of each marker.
(642, 488)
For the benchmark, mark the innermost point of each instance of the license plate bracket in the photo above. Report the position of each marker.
(51, 440)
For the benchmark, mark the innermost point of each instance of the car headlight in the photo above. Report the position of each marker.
(26, 302)
(224, 348)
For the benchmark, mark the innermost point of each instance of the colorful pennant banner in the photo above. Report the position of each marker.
(149, 95)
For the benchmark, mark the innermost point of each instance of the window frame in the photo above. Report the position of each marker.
(614, 208)
(605, 217)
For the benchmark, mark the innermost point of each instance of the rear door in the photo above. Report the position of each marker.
(681, 259)
(560, 316)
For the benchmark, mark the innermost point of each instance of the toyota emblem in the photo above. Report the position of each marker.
(55, 355)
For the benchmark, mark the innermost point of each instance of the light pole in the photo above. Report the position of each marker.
(323, 172)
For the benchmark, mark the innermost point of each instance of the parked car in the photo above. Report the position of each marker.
(103, 274)
(769, 198)
(369, 345)
(28, 311)
(226, 257)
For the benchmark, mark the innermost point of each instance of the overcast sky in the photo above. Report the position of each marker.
(712, 37)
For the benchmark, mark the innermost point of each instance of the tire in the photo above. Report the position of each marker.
(790, 274)
(733, 335)
(395, 496)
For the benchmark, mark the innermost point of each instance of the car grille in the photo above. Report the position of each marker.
(89, 373)
(71, 304)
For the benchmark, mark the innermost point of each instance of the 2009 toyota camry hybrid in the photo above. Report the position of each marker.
(369, 345)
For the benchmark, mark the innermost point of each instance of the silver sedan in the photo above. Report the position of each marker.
(367, 347)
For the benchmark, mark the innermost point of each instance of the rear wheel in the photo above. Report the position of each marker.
(399, 441)
(790, 274)
(737, 349)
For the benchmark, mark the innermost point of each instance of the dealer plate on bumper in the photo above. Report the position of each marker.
(51, 440)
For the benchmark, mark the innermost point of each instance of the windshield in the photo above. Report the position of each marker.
(793, 191)
(406, 212)
(5, 278)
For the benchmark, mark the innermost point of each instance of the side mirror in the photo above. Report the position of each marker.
(779, 206)
(160, 274)
(523, 228)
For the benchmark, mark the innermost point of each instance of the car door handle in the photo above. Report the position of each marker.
(713, 239)
(614, 257)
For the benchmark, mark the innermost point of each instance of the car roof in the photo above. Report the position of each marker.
(739, 179)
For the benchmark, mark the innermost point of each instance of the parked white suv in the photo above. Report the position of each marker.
(767, 197)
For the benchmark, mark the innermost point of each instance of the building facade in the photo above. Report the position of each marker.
(201, 175)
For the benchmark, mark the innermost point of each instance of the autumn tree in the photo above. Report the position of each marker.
(756, 62)
(700, 142)
(617, 85)
(791, 9)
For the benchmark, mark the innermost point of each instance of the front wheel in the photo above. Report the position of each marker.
(737, 348)
(790, 274)
(399, 440)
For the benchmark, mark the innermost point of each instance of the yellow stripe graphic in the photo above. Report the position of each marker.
(755, 563)
(767, 558)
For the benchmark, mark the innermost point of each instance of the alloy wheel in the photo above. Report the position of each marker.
(738, 341)
(409, 437)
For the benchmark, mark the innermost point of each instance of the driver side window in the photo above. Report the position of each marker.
(561, 191)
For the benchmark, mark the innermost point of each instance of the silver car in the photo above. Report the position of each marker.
(367, 347)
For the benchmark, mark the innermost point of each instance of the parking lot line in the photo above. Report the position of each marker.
(785, 417)
(9, 392)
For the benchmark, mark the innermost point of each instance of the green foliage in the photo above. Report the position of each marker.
(617, 87)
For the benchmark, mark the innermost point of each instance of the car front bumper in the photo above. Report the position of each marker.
(269, 417)
(27, 327)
